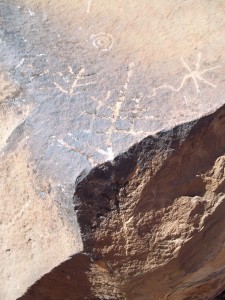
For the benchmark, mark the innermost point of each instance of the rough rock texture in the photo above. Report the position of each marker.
(112, 149)
(154, 215)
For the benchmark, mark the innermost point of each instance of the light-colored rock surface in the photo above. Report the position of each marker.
(80, 83)
(34, 236)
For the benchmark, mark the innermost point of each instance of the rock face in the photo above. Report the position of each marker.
(154, 215)
(112, 149)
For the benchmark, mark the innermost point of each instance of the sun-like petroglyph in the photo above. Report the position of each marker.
(74, 83)
(102, 41)
(196, 76)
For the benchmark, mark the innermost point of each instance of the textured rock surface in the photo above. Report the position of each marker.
(156, 215)
(83, 82)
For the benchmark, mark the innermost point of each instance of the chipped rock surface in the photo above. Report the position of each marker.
(112, 149)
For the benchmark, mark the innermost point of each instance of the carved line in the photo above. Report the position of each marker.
(78, 151)
(21, 62)
(74, 85)
(89, 6)
(195, 75)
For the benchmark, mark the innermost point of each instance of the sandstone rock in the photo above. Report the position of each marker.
(152, 221)
(112, 149)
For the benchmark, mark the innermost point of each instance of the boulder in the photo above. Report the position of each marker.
(112, 149)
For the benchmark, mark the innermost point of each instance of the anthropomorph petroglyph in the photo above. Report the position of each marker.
(196, 76)
(73, 85)
(102, 41)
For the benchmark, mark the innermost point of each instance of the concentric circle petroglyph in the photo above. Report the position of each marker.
(102, 41)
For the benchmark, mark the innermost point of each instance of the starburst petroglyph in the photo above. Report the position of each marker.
(74, 85)
(196, 75)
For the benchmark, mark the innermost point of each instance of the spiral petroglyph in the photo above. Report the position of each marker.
(102, 41)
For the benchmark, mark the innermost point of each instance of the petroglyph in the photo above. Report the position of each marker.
(30, 12)
(196, 76)
(122, 96)
(74, 149)
(101, 102)
(109, 153)
(185, 99)
(111, 112)
(118, 104)
(41, 54)
(74, 84)
(89, 6)
(102, 41)
(20, 64)
(114, 114)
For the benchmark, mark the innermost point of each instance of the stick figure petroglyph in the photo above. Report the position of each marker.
(196, 76)
(74, 85)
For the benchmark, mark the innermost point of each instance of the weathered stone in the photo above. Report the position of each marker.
(112, 149)
(151, 221)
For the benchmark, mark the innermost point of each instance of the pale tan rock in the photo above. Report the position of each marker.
(34, 236)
